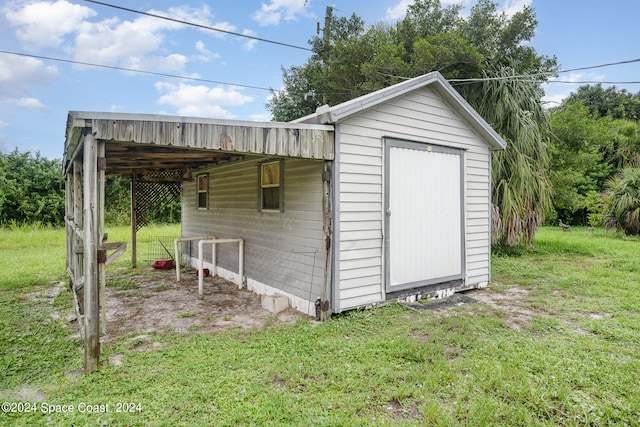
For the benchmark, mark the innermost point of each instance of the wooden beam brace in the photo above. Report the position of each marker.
(120, 248)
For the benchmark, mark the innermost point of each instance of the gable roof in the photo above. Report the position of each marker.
(434, 80)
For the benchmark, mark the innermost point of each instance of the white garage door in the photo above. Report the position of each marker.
(423, 239)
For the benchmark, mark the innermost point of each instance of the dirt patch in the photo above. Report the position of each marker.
(27, 393)
(153, 302)
(516, 316)
(442, 304)
(400, 412)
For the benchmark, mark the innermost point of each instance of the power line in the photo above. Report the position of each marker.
(531, 77)
(573, 82)
(111, 67)
(545, 74)
(594, 82)
(193, 24)
(630, 61)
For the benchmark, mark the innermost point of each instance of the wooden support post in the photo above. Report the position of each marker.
(91, 245)
(78, 219)
(327, 218)
(102, 261)
(68, 213)
(134, 225)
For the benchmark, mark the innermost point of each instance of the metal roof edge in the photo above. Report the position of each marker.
(478, 123)
(354, 106)
(96, 115)
(343, 111)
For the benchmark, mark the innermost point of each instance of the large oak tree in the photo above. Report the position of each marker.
(351, 60)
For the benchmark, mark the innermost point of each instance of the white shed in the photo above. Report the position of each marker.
(412, 193)
(381, 197)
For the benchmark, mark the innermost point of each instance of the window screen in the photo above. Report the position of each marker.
(271, 183)
(203, 191)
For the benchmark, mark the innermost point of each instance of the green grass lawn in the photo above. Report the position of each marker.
(572, 361)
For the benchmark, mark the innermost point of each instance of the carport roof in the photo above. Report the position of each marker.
(160, 142)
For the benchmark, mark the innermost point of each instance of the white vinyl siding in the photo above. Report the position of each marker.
(283, 250)
(420, 116)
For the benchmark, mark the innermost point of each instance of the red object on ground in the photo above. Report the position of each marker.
(205, 272)
(163, 264)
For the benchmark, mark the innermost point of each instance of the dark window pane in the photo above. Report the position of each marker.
(202, 200)
(271, 198)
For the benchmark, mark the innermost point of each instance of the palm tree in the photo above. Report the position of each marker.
(622, 200)
(521, 191)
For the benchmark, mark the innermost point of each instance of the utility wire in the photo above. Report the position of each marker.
(594, 82)
(193, 24)
(530, 78)
(452, 81)
(111, 67)
(630, 61)
(546, 74)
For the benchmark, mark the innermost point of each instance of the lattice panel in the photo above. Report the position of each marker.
(155, 190)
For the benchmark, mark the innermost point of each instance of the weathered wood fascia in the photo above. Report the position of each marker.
(77, 129)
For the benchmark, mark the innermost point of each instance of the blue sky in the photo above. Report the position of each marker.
(36, 94)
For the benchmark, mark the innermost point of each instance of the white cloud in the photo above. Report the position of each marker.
(200, 100)
(567, 83)
(511, 7)
(140, 44)
(250, 44)
(262, 117)
(28, 103)
(171, 63)
(200, 16)
(3, 139)
(45, 23)
(125, 44)
(571, 77)
(399, 10)
(574, 77)
(550, 101)
(276, 10)
(223, 26)
(20, 71)
(18, 74)
(135, 44)
(205, 54)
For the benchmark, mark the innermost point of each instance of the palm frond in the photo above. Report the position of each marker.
(622, 201)
(521, 186)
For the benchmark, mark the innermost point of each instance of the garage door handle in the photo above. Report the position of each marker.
(388, 212)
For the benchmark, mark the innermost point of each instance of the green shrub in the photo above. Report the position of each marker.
(31, 189)
(622, 201)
